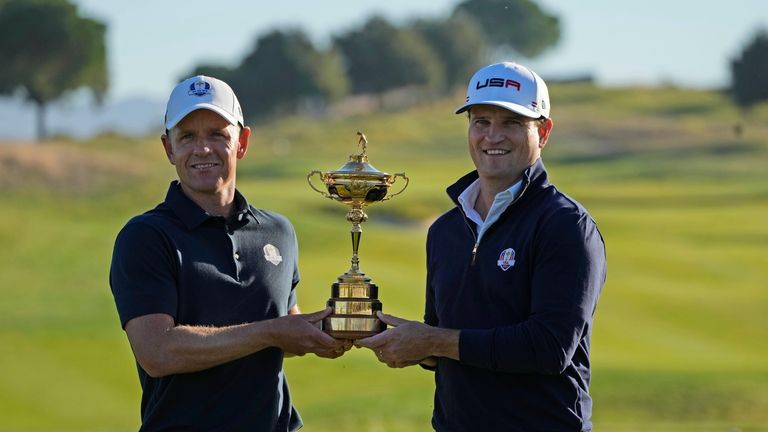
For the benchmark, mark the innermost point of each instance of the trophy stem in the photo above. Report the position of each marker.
(356, 232)
(356, 215)
(354, 298)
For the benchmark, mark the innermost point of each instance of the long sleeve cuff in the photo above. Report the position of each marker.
(476, 347)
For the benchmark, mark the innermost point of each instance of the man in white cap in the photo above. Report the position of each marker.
(514, 272)
(204, 283)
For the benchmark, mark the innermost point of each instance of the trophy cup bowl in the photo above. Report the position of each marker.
(354, 298)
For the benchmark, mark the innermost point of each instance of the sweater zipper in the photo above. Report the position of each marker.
(474, 236)
(477, 242)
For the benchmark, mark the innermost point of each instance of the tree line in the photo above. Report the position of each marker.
(48, 49)
(285, 70)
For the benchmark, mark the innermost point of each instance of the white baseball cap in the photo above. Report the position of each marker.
(511, 86)
(202, 92)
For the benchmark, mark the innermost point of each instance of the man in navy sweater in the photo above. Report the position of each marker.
(514, 272)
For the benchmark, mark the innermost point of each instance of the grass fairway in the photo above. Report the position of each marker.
(681, 331)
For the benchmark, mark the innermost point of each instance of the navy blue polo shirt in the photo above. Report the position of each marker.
(205, 270)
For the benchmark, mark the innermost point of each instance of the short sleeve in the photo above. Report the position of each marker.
(143, 273)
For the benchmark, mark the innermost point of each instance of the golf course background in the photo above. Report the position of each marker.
(676, 179)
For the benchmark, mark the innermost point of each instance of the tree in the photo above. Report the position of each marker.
(223, 73)
(458, 42)
(749, 83)
(517, 24)
(286, 69)
(283, 71)
(47, 50)
(381, 57)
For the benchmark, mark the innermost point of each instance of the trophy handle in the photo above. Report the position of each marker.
(309, 180)
(394, 177)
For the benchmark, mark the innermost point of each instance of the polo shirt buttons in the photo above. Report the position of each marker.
(237, 256)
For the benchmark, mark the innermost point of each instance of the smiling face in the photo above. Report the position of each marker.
(205, 148)
(503, 144)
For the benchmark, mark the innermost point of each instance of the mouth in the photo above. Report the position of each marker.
(495, 152)
(202, 166)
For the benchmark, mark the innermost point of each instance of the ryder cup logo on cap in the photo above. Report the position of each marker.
(202, 92)
(511, 86)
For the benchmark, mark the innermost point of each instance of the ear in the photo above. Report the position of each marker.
(544, 130)
(168, 148)
(242, 141)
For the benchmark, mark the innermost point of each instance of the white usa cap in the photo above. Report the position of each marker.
(202, 92)
(511, 86)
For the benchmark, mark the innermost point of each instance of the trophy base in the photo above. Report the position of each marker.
(352, 326)
(354, 302)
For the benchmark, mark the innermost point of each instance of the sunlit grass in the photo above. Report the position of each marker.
(681, 328)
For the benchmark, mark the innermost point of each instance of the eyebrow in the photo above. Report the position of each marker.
(209, 130)
(505, 117)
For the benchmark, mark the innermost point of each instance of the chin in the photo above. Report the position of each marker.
(207, 187)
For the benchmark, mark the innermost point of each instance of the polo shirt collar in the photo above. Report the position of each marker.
(192, 215)
(242, 208)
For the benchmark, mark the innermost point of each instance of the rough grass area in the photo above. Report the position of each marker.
(63, 167)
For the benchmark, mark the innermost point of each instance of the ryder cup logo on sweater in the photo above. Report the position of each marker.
(200, 88)
(506, 259)
(272, 254)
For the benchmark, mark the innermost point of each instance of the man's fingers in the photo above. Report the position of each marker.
(371, 342)
(336, 352)
(320, 336)
(315, 317)
(329, 341)
(391, 319)
(329, 354)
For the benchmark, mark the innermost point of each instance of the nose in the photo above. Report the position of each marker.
(494, 134)
(201, 147)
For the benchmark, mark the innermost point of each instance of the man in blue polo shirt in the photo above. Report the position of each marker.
(204, 283)
(514, 272)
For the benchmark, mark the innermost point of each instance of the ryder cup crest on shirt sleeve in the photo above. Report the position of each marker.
(202, 92)
(511, 86)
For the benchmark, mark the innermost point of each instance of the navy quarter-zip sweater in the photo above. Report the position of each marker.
(524, 301)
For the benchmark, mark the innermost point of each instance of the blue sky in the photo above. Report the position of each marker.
(689, 43)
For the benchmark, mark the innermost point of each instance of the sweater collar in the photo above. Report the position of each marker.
(535, 177)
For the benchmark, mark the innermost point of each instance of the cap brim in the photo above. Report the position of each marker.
(170, 123)
(502, 104)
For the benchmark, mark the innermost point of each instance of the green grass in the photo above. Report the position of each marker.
(680, 339)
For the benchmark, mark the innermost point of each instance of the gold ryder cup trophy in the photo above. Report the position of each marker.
(354, 298)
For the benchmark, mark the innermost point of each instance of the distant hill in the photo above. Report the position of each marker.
(80, 118)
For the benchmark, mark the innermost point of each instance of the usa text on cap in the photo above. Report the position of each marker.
(511, 86)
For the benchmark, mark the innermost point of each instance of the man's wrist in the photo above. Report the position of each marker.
(263, 333)
(446, 343)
